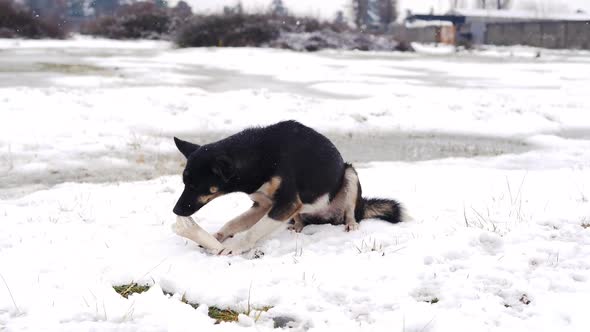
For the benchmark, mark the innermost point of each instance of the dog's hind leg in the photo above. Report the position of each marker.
(349, 192)
(298, 223)
(262, 204)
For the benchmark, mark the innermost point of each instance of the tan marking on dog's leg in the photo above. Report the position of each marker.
(269, 188)
(298, 225)
(188, 228)
(262, 204)
(350, 189)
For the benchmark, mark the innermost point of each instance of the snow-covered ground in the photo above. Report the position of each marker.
(488, 151)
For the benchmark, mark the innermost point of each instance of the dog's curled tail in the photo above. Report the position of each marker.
(384, 209)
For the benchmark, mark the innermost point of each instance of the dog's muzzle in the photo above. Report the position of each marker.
(187, 204)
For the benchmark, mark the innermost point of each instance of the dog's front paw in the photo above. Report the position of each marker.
(183, 226)
(235, 247)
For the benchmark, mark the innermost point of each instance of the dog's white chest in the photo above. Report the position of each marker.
(321, 204)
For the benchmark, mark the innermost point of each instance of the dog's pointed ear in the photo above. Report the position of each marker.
(223, 166)
(186, 148)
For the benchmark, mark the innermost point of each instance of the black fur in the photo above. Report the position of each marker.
(308, 164)
(385, 209)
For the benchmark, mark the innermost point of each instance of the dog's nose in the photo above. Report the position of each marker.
(181, 212)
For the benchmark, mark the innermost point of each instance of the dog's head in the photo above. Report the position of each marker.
(205, 176)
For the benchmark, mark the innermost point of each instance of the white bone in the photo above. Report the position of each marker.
(188, 228)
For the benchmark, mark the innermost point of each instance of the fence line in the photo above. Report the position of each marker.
(559, 34)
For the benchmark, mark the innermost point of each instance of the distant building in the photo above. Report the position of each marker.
(506, 27)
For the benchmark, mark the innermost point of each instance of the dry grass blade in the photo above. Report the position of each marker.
(10, 293)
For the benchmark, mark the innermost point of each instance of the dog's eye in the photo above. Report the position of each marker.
(213, 189)
(192, 186)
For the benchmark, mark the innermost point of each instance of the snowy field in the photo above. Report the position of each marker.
(488, 151)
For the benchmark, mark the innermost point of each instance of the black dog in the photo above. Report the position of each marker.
(290, 172)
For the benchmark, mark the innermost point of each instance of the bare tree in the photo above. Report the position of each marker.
(182, 9)
(495, 4)
(278, 8)
(48, 8)
(503, 4)
(359, 8)
(104, 7)
(76, 8)
(387, 11)
(374, 13)
(161, 3)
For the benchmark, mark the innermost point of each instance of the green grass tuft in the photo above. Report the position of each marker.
(133, 288)
(220, 315)
(228, 315)
(223, 315)
(265, 308)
